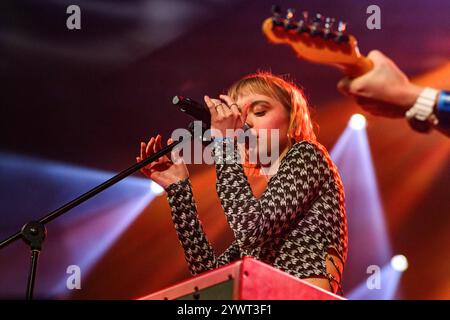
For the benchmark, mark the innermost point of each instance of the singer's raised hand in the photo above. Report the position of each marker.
(226, 116)
(163, 171)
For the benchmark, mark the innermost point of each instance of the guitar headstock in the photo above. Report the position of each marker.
(317, 39)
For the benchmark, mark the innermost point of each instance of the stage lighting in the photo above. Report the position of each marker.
(357, 122)
(156, 188)
(399, 263)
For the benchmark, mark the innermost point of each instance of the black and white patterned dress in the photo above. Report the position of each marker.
(299, 217)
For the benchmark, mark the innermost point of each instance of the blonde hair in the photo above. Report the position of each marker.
(287, 93)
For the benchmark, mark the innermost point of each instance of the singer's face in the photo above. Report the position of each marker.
(266, 114)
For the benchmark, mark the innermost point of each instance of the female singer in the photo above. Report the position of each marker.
(298, 224)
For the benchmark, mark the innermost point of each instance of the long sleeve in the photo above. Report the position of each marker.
(289, 193)
(199, 253)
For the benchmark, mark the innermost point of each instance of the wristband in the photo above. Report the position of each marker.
(421, 116)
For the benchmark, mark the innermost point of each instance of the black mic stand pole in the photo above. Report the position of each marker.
(34, 232)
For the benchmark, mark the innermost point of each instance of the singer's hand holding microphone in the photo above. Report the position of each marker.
(225, 118)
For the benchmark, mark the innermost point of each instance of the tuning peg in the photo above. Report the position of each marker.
(318, 18)
(302, 24)
(328, 32)
(289, 21)
(305, 16)
(276, 16)
(341, 35)
(329, 22)
(316, 27)
(276, 10)
(342, 26)
(290, 13)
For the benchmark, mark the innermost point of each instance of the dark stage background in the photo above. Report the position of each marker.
(76, 104)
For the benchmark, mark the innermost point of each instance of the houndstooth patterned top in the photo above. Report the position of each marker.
(299, 217)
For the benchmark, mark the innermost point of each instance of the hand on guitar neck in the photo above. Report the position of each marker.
(375, 81)
(383, 91)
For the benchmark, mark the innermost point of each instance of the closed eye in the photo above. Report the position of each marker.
(259, 107)
(260, 113)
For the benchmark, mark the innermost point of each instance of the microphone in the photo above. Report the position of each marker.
(193, 108)
(196, 110)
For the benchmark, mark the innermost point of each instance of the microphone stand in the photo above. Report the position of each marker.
(34, 232)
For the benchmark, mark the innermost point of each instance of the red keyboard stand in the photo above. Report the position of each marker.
(246, 279)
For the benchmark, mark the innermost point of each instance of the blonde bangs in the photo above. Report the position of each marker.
(290, 96)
